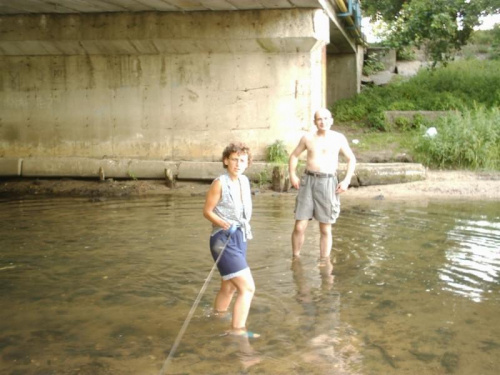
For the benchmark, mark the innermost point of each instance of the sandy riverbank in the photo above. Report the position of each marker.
(438, 184)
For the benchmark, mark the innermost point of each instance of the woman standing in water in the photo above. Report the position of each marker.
(228, 205)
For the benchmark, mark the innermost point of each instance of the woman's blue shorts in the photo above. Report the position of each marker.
(233, 262)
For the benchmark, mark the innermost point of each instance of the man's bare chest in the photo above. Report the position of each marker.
(323, 146)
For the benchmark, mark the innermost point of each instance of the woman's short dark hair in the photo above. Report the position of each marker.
(239, 148)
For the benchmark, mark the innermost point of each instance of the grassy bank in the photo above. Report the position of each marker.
(468, 138)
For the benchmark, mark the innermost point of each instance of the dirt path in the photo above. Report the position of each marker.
(439, 184)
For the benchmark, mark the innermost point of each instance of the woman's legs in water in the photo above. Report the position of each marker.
(244, 285)
(224, 296)
(246, 289)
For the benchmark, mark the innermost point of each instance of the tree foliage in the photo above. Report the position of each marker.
(384, 9)
(441, 27)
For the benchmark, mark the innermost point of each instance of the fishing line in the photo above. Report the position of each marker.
(196, 302)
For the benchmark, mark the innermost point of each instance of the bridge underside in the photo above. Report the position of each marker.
(165, 84)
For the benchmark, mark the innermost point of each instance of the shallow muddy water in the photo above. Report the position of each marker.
(103, 287)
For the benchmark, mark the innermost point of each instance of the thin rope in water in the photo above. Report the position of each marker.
(193, 309)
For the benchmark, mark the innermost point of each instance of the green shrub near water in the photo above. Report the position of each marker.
(488, 41)
(277, 153)
(459, 86)
(470, 140)
(372, 65)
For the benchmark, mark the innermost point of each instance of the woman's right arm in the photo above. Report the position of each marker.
(213, 196)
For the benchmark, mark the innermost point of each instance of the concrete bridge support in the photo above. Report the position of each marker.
(345, 70)
(168, 86)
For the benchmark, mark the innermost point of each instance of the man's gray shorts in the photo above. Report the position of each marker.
(317, 198)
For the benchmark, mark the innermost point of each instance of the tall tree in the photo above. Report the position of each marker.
(442, 27)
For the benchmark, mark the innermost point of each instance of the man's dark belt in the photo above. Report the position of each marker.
(319, 174)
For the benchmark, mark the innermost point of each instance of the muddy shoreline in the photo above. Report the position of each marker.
(438, 184)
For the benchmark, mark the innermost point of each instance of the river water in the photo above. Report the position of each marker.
(104, 286)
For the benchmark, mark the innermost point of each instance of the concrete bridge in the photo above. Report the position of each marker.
(167, 80)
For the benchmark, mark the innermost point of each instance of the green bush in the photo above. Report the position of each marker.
(495, 45)
(468, 82)
(482, 37)
(470, 141)
(277, 153)
(419, 121)
(263, 178)
(403, 123)
(402, 105)
(405, 54)
(459, 86)
(377, 120)
(372, 65)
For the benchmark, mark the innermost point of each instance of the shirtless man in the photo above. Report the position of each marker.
(319, 188)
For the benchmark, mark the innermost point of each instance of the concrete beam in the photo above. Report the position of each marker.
(10, 167)
(366, 173)
(89, 168)
(340, 41)
(286, 30)
(199, 171)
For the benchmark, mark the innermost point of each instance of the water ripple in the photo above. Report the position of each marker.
(409, 287)
(473, 261)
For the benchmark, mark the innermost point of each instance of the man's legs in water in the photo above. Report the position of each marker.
(325, 240)
(298, 236)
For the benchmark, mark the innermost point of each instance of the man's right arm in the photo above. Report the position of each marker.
(293, 161)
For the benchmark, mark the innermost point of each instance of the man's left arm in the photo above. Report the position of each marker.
(351, 166)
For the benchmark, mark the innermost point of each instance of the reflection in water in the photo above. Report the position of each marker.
(320, 321)
(104, 287)
(399, 302)
(474, 262)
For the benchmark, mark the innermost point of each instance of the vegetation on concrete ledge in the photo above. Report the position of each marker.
(468, 140)
(277, 153)
(372, 65)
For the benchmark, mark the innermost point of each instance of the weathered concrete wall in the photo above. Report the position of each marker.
(344, 76)
(170, 86)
